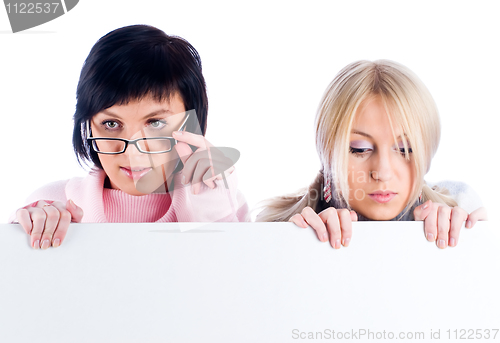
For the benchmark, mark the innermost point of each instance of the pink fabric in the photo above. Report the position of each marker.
(120, 207)
(102, 205)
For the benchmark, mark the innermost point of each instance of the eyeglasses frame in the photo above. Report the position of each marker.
(134, 141)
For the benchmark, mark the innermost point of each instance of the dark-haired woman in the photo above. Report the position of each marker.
(140, 121)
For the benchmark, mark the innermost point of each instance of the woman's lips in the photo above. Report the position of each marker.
(135, 173)
(382, 196)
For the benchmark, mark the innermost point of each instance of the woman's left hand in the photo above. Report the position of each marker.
(206, 164)
(442, 223)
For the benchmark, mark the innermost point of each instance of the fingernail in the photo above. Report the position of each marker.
(183, 181)
(468, 224)
(177, 133)
(36, 244)
(337, 244)
(324, 237)
(45, 244)
(441, 243)
(452, 242)
(56, 242)
(346, 242)
(430, 237)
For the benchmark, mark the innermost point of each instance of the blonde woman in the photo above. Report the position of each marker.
(377, 129)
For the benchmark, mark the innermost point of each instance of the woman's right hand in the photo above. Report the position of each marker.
(47, 222)
(330, 224)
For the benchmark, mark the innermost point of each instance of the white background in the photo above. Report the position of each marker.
(266, 65)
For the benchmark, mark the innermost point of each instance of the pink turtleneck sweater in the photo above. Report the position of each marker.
(103, 205)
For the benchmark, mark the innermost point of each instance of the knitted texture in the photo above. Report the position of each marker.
(102, 205)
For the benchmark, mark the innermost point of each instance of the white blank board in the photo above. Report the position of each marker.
(247, 282)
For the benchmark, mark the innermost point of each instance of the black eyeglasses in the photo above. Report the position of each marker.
(146, 145)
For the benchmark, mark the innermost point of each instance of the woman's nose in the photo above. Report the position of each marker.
(132, 149)
(381, 170)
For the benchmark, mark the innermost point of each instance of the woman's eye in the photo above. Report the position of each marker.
(157, 124)
(402, 151)
(110, 125)
(358, 152)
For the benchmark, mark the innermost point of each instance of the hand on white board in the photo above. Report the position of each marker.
(442, 223)
(330, 224)
(47, 222)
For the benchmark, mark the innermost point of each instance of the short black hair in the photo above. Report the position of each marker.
(131, 63)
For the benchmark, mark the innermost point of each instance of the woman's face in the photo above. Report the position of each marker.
(134, 172)
(380, 178)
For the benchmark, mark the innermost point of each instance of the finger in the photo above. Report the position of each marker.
(191, 139)
(475, 216)
(190, 165)
(192, 172)
(51, 222)
(75, 211)
(443, 223)
(314, 221)
(298, 220)
(458, 216)
(421, 212)
(63, 225)
(184, 151)
(38, 217)
(430, 221)
(23, 217)
(345, 226)
(202, 166)
(354, 216)
(216, 165)
(216, 161)
(331, 218)
(209, 180)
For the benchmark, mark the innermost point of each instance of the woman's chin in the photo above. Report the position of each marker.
(379, 214)
(151, 182)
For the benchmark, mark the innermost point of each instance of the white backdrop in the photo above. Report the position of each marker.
(266, 66)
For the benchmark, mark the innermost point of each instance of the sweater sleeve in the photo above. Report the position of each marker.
(463, 194)
(220, 204)
(54, 191)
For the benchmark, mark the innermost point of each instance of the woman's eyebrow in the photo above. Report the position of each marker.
(356, 132)
(158, 112)
(152, 114)
(367, 135)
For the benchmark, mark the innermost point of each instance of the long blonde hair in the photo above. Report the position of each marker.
(409, 106)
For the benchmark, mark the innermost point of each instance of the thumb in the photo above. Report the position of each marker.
(183, 150)
(76, 212)
(421, 212)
